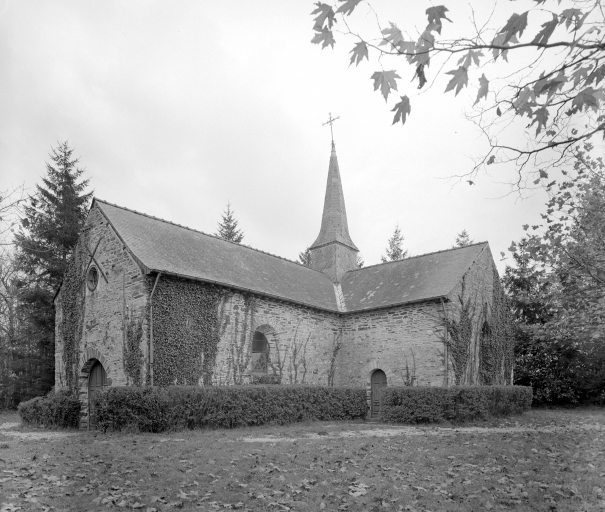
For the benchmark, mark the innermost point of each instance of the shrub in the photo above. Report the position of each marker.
(154, 409)
(459, 403)
(57, 409)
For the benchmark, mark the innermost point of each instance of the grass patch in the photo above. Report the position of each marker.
(543, 460)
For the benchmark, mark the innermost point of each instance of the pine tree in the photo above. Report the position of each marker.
(463, 239)
(304, 258)
(394, 249)
(51, 225)
(227, 228)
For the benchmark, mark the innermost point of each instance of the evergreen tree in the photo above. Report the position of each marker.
(52, 221)
(304, 258)
(394, 249)
(227, 228)
(463, 239)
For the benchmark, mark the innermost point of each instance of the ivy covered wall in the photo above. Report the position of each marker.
(479, 336)
(100, 318)
(185, 331)
(203, 335)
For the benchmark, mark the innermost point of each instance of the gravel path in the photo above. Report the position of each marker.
(417, 431)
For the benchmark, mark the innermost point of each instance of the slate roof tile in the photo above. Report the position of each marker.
(413, 279)
(162, 246)
(173, 249)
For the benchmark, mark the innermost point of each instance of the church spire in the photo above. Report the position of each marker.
(334, 226)
(334, 253)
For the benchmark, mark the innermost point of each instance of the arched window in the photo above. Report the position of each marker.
(260, 353)
(92, 278)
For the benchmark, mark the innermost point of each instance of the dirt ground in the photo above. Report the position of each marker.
(551, 460)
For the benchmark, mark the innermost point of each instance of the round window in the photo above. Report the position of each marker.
(92, 278)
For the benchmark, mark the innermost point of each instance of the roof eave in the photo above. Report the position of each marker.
(397, 304)
(242, 289)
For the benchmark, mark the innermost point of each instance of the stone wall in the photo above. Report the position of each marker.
(120, 296)
(475, 287)
(306, 346)
(301, 340)
(403, 341)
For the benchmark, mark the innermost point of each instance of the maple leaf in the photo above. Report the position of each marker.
(402, 110)
(391, 35)
(580, 74)
(458, 80)
(435, 15)
(325, 13)
(572, 16)
(325, 38)
(596, 76)
(470, 57)
(423, 47)
(524, 102)
(516, 24)
(540, 117)
(499, 41)
(386, 81)
(554, 85)
(548, 28)
(407, 48)
(587, 98)
(359, 52)
(347, 7)
(483, 90)
(421, 76)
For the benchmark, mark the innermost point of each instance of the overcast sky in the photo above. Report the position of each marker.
(176, 108)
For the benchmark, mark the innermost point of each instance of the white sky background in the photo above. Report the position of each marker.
(176, 108)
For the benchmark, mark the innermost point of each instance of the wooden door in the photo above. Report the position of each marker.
(379, 381)
(97, 379)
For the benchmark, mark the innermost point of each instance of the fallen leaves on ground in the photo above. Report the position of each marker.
(512, 468)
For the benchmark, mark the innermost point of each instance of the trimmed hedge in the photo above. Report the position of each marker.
(459, 403)
(57, 409)
(155, 409)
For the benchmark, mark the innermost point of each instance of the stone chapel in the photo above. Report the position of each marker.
(149, 302)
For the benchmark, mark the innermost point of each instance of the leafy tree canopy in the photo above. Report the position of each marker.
(394, 248)
(539, 72)
(227, 228)
(557, 288)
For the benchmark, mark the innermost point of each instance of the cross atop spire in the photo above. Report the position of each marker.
(330, 121)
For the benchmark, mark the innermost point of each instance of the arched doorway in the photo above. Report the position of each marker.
(97, 380)
(378, 381)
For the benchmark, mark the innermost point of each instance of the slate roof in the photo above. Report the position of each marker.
(172, 249)
(414, 279)
(161, 246)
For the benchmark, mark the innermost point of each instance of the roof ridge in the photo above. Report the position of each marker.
(419, 256)
(202, 233)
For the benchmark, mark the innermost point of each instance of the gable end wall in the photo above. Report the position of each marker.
(102, 333)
